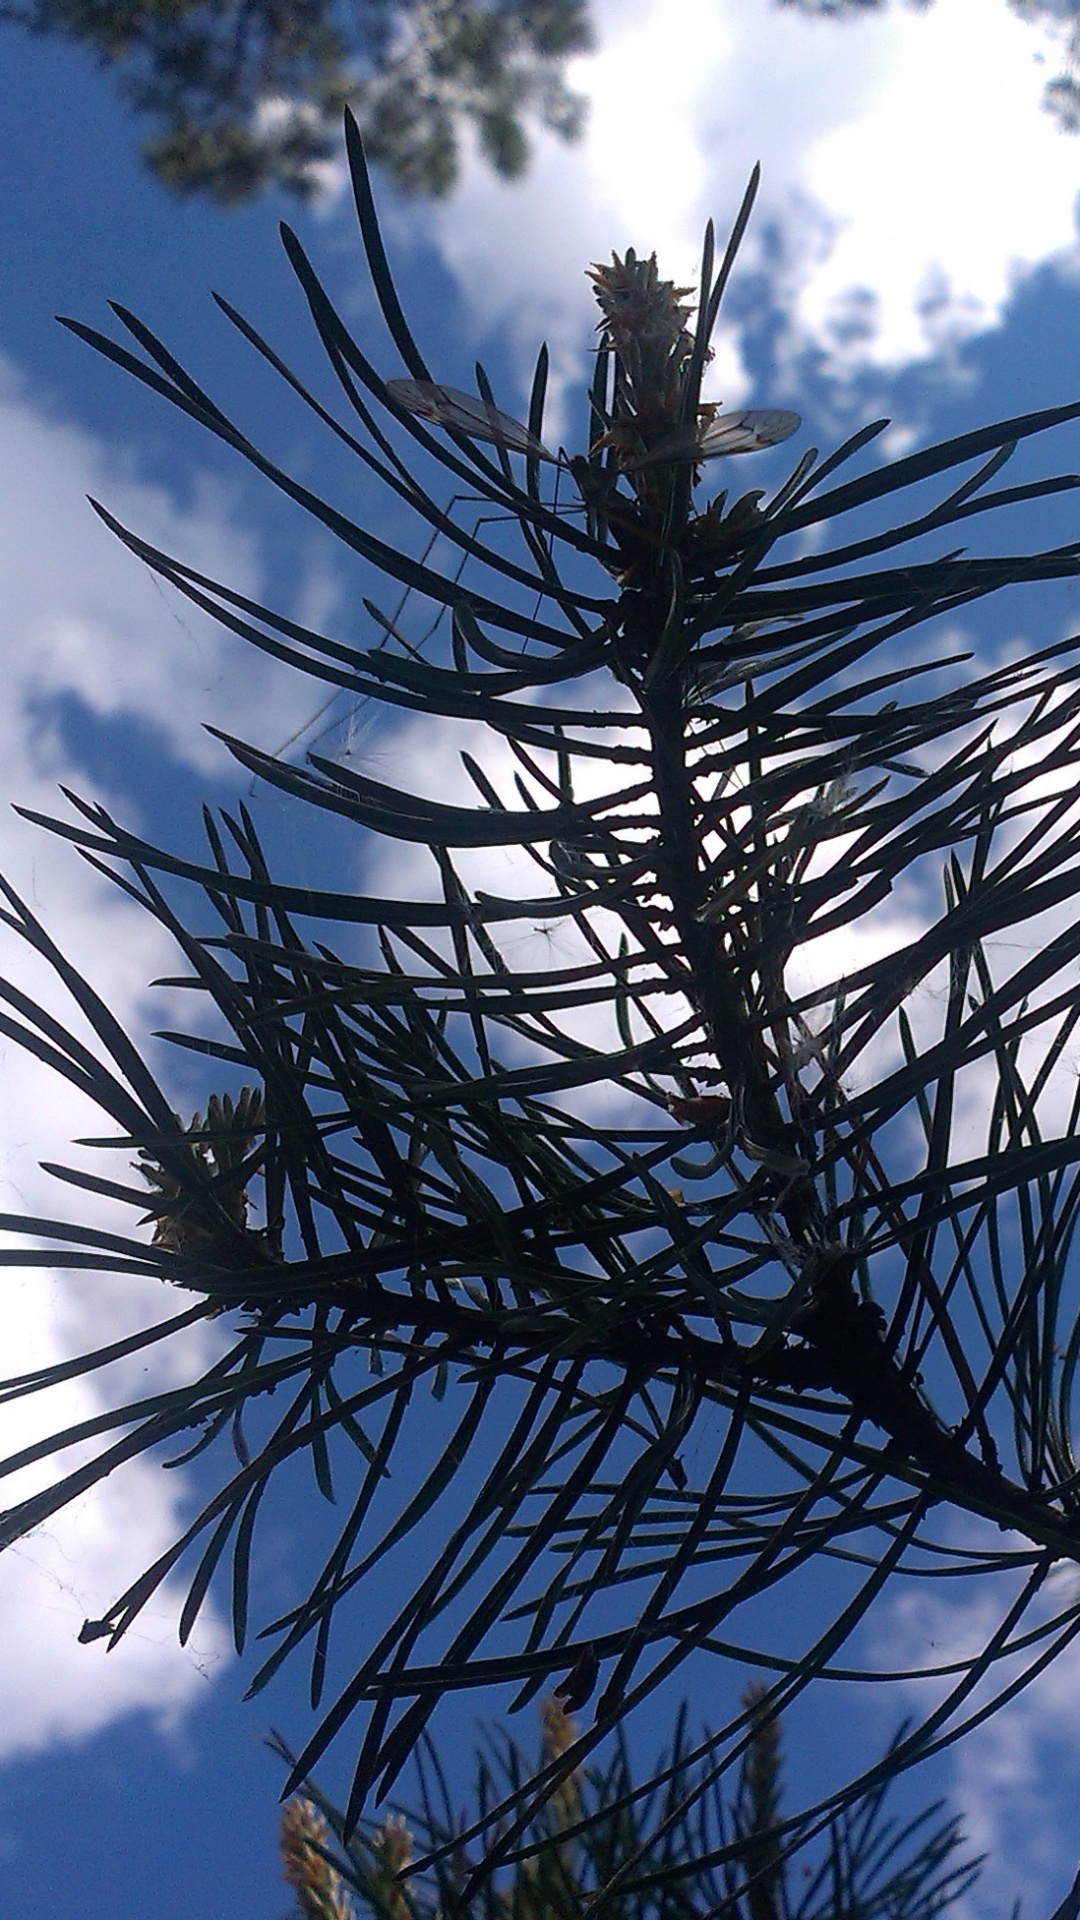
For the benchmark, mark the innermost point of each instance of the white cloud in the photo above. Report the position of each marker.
(1013, 1779)
(80, 617)
(910, 177)
(53, 1691)
(947, 185)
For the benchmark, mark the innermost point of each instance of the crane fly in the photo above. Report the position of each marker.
(465, 413)
(478, 419)
(744, 432)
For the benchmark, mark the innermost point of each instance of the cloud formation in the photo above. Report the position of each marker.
(893, 219)
(82, 621)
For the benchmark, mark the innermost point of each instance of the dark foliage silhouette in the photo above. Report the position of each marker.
(676, 1853)
(245, 94)
(665, 1294)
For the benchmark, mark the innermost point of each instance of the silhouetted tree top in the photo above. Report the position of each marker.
(592, 1842)
(1061, 96)
(247, 94)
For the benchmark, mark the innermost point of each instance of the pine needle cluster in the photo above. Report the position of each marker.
(664, 1295)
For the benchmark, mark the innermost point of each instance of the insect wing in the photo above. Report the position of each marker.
(465, 413)
(746, 432)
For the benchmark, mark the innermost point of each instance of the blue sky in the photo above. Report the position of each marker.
(915, 252)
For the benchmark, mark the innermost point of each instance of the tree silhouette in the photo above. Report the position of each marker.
(703, 1855)
(663, 1297)
(248, 93)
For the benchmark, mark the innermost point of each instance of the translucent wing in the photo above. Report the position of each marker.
(743, 432)
(465, 413)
